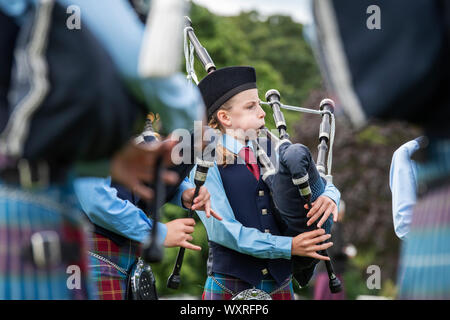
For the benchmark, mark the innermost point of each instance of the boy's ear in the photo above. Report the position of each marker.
(224, 118)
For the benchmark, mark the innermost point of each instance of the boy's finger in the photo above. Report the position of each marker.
(314, 218)
(190, 246)
(306, 205)
(188, 221)
(325, 216)
(320, 247)
(188, 229)
(316, 206)
(318, 239)
(313, 234)
(325, 246)
(207, 210)
(335, 215)
(319, 257)
(216, 215)
(198, 205)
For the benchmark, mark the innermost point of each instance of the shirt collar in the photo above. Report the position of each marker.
(234, 145)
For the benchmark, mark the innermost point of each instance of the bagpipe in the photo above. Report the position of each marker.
(296, 169)
(297, 173)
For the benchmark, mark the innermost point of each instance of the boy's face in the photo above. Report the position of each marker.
(246, 112)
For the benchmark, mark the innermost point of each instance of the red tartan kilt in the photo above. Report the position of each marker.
(110, 282)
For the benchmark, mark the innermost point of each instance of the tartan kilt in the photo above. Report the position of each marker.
(22, 214)
(424, 271)
(212, 291)
(110, 277)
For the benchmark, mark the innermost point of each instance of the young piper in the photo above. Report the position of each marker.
(246, 247)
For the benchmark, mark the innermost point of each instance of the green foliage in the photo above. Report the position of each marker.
(388, 289)
(274, 47)
(372, 135)
(354, 283)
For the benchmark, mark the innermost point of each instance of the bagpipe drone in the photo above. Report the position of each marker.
(297, 172)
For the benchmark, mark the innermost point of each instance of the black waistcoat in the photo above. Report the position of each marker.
(252, 206)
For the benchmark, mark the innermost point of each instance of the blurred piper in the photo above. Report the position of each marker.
(69, 102)
(359, 46)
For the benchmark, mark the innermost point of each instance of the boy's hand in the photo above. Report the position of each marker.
(202, 202)
(322, 206)
(306, 244)
(178, 234)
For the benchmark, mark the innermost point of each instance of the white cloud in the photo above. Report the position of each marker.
(297, 9)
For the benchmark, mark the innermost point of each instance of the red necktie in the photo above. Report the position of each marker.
(247, 154)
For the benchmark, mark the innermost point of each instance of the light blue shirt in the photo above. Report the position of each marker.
(104, 208)
(231, 233)
(403, 184)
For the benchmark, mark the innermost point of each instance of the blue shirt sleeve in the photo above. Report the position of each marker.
(403, 184)
(102, 206)
(333, 193)
(231, 233)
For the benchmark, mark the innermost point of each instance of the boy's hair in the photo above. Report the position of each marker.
(224, 155)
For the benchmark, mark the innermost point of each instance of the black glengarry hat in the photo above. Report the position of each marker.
(222, 84)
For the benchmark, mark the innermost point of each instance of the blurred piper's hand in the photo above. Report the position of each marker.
(135, 165)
